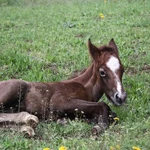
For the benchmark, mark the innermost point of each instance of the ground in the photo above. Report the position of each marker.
(46, 41)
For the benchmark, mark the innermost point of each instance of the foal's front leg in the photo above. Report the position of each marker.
(22, 121)
(97, 112)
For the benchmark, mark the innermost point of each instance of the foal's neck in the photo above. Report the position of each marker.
(89, 80)
(84, 77)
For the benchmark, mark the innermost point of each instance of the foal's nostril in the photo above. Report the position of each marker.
(118, 99)
(116, 95)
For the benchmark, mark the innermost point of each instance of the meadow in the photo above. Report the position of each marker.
(45, 40)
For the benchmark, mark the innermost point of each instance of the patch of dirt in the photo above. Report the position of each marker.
(28, 41)
(146, 68)
(131, 71)
(52, 67)
(79, 35)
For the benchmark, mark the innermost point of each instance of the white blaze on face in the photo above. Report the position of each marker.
(113, 64)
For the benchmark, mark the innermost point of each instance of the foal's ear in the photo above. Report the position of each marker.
(94, 51)
(113, 44)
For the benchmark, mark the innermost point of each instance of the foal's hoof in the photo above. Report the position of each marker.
(111, 118)
(97, 130)
(27, 131)
(32, 121)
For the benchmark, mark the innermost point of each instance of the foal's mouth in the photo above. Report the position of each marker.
(117, 104)
(118, 101)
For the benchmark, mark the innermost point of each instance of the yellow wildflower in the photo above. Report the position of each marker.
(116, 119)
(101, 16)
(118, 147)
(105, 1)
(46, 148)
(62, 148)
(135, 148)
(112, 148)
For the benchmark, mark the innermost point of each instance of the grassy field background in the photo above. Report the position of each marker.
(45, 40)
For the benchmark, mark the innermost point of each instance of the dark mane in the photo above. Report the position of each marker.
(106, 48)
(76, 73)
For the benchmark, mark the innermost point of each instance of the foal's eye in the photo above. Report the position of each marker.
(102, 72)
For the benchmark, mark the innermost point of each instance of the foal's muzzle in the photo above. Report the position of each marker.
(119, 99)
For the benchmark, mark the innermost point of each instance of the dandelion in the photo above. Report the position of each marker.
(118, 147)
(112, 148)
(46, 148)
(135, 148)
(116, 119)
(62, 148)
(101, 16)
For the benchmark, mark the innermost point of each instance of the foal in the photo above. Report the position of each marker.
(23, 102)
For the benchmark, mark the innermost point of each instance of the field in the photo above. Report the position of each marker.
(45, 40)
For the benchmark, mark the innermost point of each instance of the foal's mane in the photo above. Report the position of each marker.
(77, 73)
(106, 48)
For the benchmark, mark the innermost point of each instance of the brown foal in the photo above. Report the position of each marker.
(24, 103)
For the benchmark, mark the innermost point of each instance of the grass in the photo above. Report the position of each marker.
(46, 41)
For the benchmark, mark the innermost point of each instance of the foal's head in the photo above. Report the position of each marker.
(109, 71)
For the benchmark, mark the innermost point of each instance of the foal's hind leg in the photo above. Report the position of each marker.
(22, 121)
(19, 118)
(12, 92)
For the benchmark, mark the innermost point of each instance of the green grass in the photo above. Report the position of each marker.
(46, 41)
